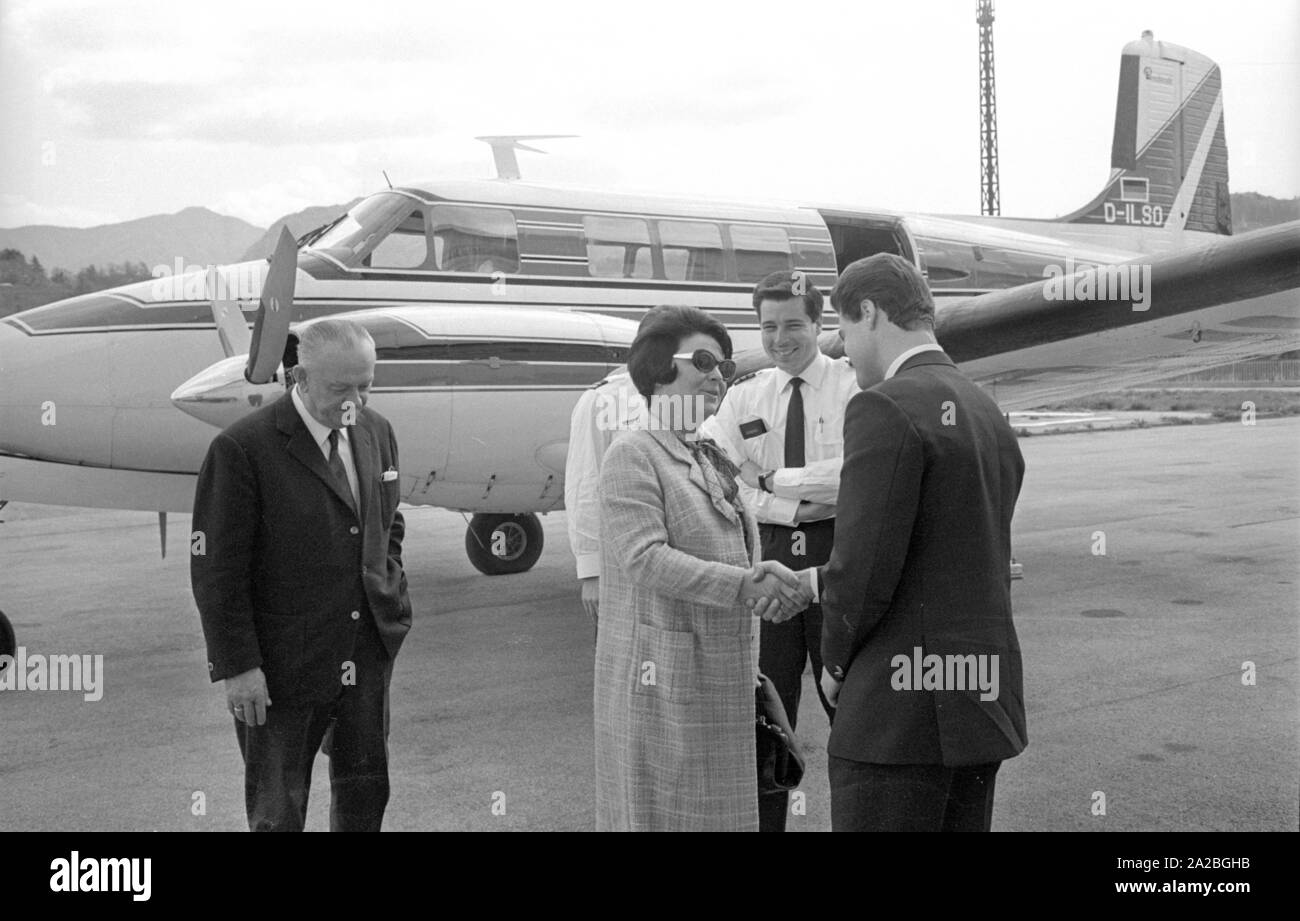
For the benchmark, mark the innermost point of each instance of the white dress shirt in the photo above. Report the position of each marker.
(322, 435)
(601, 413)
(914, 350)
(828, 385)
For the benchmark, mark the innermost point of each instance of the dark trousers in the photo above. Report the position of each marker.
(785, 648)
(911, 797)
(353, 728)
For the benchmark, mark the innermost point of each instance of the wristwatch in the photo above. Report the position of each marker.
(762, 481)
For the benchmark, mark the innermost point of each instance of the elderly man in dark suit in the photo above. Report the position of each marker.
(300, 584)
(920, 654)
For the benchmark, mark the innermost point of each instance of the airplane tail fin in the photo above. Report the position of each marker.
(1169, 159)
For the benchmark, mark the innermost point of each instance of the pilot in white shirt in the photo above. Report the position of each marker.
(610, 407)
(750, 426)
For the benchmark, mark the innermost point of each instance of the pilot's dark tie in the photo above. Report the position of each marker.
(340, 472)
(794, 427)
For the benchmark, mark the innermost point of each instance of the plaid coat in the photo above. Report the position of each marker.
(676, 655)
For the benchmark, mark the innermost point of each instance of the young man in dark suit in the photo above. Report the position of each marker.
(921, 656)
(300, 584)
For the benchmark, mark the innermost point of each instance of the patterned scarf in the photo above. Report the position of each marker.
(708, 455)
(717, 459)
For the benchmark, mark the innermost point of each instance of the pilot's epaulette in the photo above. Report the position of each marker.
(745, 377)
(607, 380)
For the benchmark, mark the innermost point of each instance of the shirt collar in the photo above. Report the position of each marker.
(813, 375)
(318, 432)
(914, 350)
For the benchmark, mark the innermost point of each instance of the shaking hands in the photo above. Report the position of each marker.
(775, 592)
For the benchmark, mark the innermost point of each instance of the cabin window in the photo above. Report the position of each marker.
(471, 239)
(405, 247)
(760, 251)
(813, 256)
(618, 247)
(692, 250)
(947, 263)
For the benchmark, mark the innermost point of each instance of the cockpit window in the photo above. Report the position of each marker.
(395, 231)
(405, 247)
(366, 227)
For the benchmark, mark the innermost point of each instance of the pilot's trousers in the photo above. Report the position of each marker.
(278, 756)
(784, 649)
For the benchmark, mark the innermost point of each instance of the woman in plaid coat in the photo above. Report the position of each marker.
(677, 645)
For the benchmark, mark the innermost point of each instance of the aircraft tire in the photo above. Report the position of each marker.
(500, 544)
(8, 643)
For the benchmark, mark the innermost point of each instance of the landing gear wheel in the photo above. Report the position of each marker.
(501, 544)
(8, 643)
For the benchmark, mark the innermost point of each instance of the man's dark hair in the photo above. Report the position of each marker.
(650, 360)
(779, 286)
(890, 282)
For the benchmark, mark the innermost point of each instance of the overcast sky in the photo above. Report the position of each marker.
(117, 110)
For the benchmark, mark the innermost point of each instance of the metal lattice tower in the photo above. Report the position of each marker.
(990, 202)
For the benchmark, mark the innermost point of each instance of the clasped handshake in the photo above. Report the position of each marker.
(775, 592)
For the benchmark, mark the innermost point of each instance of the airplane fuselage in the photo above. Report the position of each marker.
(528, 295)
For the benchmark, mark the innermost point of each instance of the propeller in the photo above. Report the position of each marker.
(231, 328)
(271, 328)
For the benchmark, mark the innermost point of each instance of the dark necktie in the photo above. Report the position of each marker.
(794, 434)
(340, 472)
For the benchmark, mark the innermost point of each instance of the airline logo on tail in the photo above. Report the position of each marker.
(1169, 156)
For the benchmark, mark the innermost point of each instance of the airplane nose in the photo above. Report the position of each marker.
(220, 395)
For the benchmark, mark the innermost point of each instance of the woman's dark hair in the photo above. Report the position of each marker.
(650, 360)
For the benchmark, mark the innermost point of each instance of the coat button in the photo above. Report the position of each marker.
(356, 615)
(354, 529)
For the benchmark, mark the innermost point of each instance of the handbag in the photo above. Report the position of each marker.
(780, 759)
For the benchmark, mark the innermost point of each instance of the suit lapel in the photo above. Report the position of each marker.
(304, 448)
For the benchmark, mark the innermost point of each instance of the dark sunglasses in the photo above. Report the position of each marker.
(705, 361)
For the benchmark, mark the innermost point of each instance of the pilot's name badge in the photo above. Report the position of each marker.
(389, 475)
(753, 428)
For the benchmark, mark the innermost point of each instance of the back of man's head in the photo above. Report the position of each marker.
(893, 284)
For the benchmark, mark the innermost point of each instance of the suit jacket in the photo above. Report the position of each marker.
(676, 654)
(289, 569)
(922, 561)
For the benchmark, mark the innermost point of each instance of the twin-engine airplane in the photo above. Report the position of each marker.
(493, 304)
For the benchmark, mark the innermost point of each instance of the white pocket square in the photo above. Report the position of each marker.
(389, 476)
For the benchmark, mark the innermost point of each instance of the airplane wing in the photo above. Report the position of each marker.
(1230, 299)
(1222, 271)
(1227, 300)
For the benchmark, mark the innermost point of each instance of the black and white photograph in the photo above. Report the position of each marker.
(688, 417)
